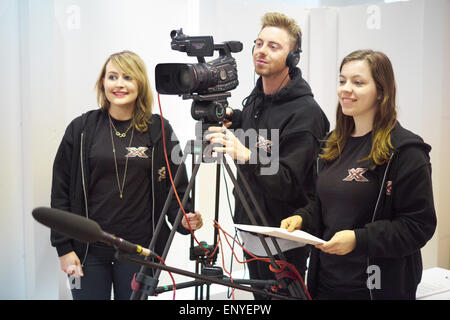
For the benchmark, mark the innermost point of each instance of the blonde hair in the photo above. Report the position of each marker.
(131, 64)
(385, 117)
(276, 19)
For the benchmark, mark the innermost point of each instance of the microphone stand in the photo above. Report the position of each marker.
(202, 278)
(147, 281)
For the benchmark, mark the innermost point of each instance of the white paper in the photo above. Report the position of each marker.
(253, 244)
(434, 281)
(286, 240)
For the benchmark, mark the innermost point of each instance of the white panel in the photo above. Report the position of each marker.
(323, 53)
(397, 30)
(435, 105)
(12, 267)
(42, 113)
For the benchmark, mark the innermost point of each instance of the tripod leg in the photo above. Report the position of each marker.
(249, 212)
(179, 217)
(295, 288)
(144, 274)
(216, 213)
(167, 204)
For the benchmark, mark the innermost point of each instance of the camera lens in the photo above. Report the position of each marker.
(184, 79)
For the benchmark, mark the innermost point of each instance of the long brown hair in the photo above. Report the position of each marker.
(131, 64)
(385, 116)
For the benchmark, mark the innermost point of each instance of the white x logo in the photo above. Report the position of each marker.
(356, 174)
(263, 143)
(136, 152)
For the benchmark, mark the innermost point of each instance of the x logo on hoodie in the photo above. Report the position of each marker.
(356, 174)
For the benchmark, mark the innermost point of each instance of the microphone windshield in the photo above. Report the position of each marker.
(69, 224)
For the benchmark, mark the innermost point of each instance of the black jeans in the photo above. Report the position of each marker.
(102, 272)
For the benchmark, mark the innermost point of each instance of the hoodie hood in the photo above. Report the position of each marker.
(294, 109)
(401, 138)
(294, 89)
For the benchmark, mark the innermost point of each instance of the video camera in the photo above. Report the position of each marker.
(206, 83)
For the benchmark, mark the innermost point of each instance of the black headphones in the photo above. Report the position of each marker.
(293, 57)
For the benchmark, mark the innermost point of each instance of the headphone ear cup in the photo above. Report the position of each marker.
(292, 59)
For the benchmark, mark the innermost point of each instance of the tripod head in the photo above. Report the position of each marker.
(209, 110)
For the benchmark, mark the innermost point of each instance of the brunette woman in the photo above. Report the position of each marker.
(374, 200)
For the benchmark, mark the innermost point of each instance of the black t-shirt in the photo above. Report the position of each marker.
(348, 191)
(129, 217)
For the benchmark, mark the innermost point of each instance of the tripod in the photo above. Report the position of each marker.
(147, 283)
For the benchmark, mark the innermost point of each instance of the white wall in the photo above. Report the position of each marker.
(53, 50)
(11, 187)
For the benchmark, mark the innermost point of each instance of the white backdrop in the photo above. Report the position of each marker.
(52, 52)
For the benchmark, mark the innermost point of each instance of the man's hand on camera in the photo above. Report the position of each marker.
(229, 113)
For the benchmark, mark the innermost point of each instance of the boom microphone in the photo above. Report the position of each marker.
(83, 229)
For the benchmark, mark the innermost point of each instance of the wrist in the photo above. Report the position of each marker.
(299, 222)
(247, 155)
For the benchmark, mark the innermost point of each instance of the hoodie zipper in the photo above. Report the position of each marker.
(376, 208)
(84, 192)
(376, 205)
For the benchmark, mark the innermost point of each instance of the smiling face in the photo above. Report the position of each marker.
(271, 49)
(357, 91)
(120, 89)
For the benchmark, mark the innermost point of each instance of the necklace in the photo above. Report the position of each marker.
(121, 187)
(120, 135)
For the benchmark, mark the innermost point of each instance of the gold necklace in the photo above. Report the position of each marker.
(115, 158)
(120, 135)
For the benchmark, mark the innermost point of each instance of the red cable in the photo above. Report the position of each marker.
(170, 274)
(223, 265)
(280, 263)
(171, 180)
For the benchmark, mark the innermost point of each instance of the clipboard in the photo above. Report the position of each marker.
(286, 240)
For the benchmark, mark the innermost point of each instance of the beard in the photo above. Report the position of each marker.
(270, 69)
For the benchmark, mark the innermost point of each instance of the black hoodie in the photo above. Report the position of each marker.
(279, 171)
(403, 221)
(71, 174)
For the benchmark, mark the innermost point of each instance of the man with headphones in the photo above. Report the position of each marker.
(288, 123)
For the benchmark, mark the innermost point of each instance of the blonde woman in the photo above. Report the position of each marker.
(374, 203)
(110, 167)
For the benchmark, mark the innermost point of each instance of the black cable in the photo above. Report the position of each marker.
(236, 236)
